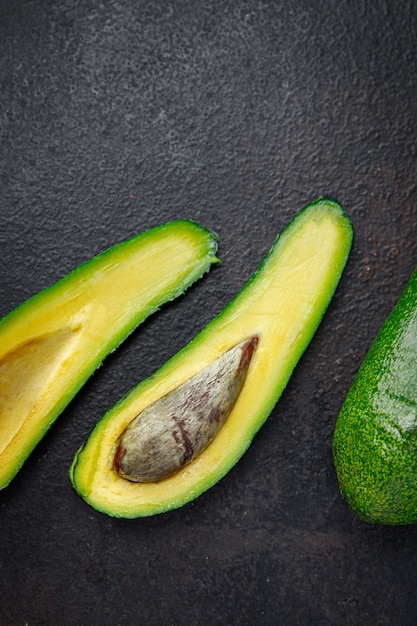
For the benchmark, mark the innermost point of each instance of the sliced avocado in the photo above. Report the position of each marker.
(54, 341)
(273, 317)
(375, 439)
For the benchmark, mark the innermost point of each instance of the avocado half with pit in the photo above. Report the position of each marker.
(54, 341)
(259, 338)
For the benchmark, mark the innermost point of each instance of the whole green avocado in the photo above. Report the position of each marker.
(375, 439)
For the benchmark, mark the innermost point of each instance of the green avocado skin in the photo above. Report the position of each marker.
(375, 439)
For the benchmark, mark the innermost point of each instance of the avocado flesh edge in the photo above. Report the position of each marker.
(53, 342)
(282, 304)
(375, 438)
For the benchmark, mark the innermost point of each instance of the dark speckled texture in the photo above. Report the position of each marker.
(375, 439)
(115, 116)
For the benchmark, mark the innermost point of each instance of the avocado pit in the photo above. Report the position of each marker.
(174, 430)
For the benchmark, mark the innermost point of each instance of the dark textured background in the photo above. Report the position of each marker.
(116, 116)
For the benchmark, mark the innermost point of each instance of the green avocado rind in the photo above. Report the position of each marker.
(76, 284)
(375, 438)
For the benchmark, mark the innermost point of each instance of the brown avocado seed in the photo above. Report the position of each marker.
(175, 429)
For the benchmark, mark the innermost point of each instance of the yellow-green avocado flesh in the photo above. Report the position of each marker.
(54, 341)
(282, 306)
(375, 439)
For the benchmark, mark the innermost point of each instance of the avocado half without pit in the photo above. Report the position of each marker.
(181, 430)
(54, 341)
